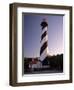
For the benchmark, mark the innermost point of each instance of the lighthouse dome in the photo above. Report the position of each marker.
(44, 23)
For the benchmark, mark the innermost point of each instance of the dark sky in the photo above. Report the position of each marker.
(32, 34)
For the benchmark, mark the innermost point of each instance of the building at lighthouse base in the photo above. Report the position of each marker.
(50, 64)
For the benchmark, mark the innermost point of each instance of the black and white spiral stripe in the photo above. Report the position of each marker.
(44, 41)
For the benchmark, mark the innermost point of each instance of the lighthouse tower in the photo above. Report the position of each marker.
(44, 40)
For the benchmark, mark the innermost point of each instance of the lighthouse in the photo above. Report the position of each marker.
(44, 40)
